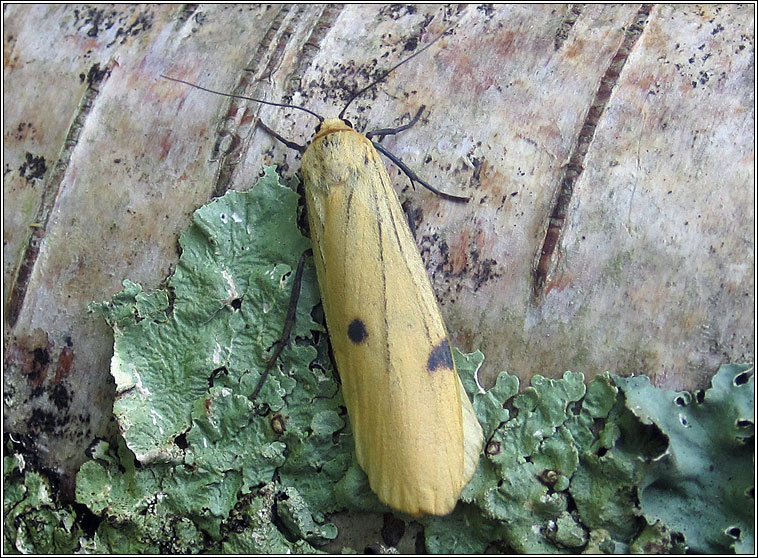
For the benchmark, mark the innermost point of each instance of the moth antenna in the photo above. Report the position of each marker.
(231, 95)
(388, 72)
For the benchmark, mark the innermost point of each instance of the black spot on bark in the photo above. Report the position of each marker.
(33, 167)
(41, 421)
(393, 529)
(440, 357)
(356, 331)
(411, 44)
(420, 543)
(60, 396)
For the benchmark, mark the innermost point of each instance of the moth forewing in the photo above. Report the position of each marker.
(415, 430)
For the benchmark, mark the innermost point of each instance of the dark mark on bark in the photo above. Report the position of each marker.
(545, 260)
(235, 129)
(50, 191)
(565, 27)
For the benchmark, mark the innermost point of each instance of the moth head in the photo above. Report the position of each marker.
(331, 125)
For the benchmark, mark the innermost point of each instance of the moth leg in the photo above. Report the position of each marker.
(392, 131)
(289, 322)
(288, 143)
(402, 166)
(414, 177)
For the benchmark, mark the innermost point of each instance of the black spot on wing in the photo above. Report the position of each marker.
(440, 357)
(356, 331)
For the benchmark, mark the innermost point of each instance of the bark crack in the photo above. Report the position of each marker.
(546, 259)
(565, 27)
(235, 128)
(52, 185)
(227, 148)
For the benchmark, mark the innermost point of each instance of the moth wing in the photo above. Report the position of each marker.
(407, 406)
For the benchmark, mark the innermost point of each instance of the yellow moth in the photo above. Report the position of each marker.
(416, 433)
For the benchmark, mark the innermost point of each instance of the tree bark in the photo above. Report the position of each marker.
(607, 149)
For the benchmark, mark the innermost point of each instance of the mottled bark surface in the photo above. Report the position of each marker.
(607, 150)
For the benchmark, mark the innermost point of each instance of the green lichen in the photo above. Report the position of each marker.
(702, 484)
(616, 467)
(297, 517)
(35, 520)
(252, 529)
(607, 466)
(185, 379)
(230, 292)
